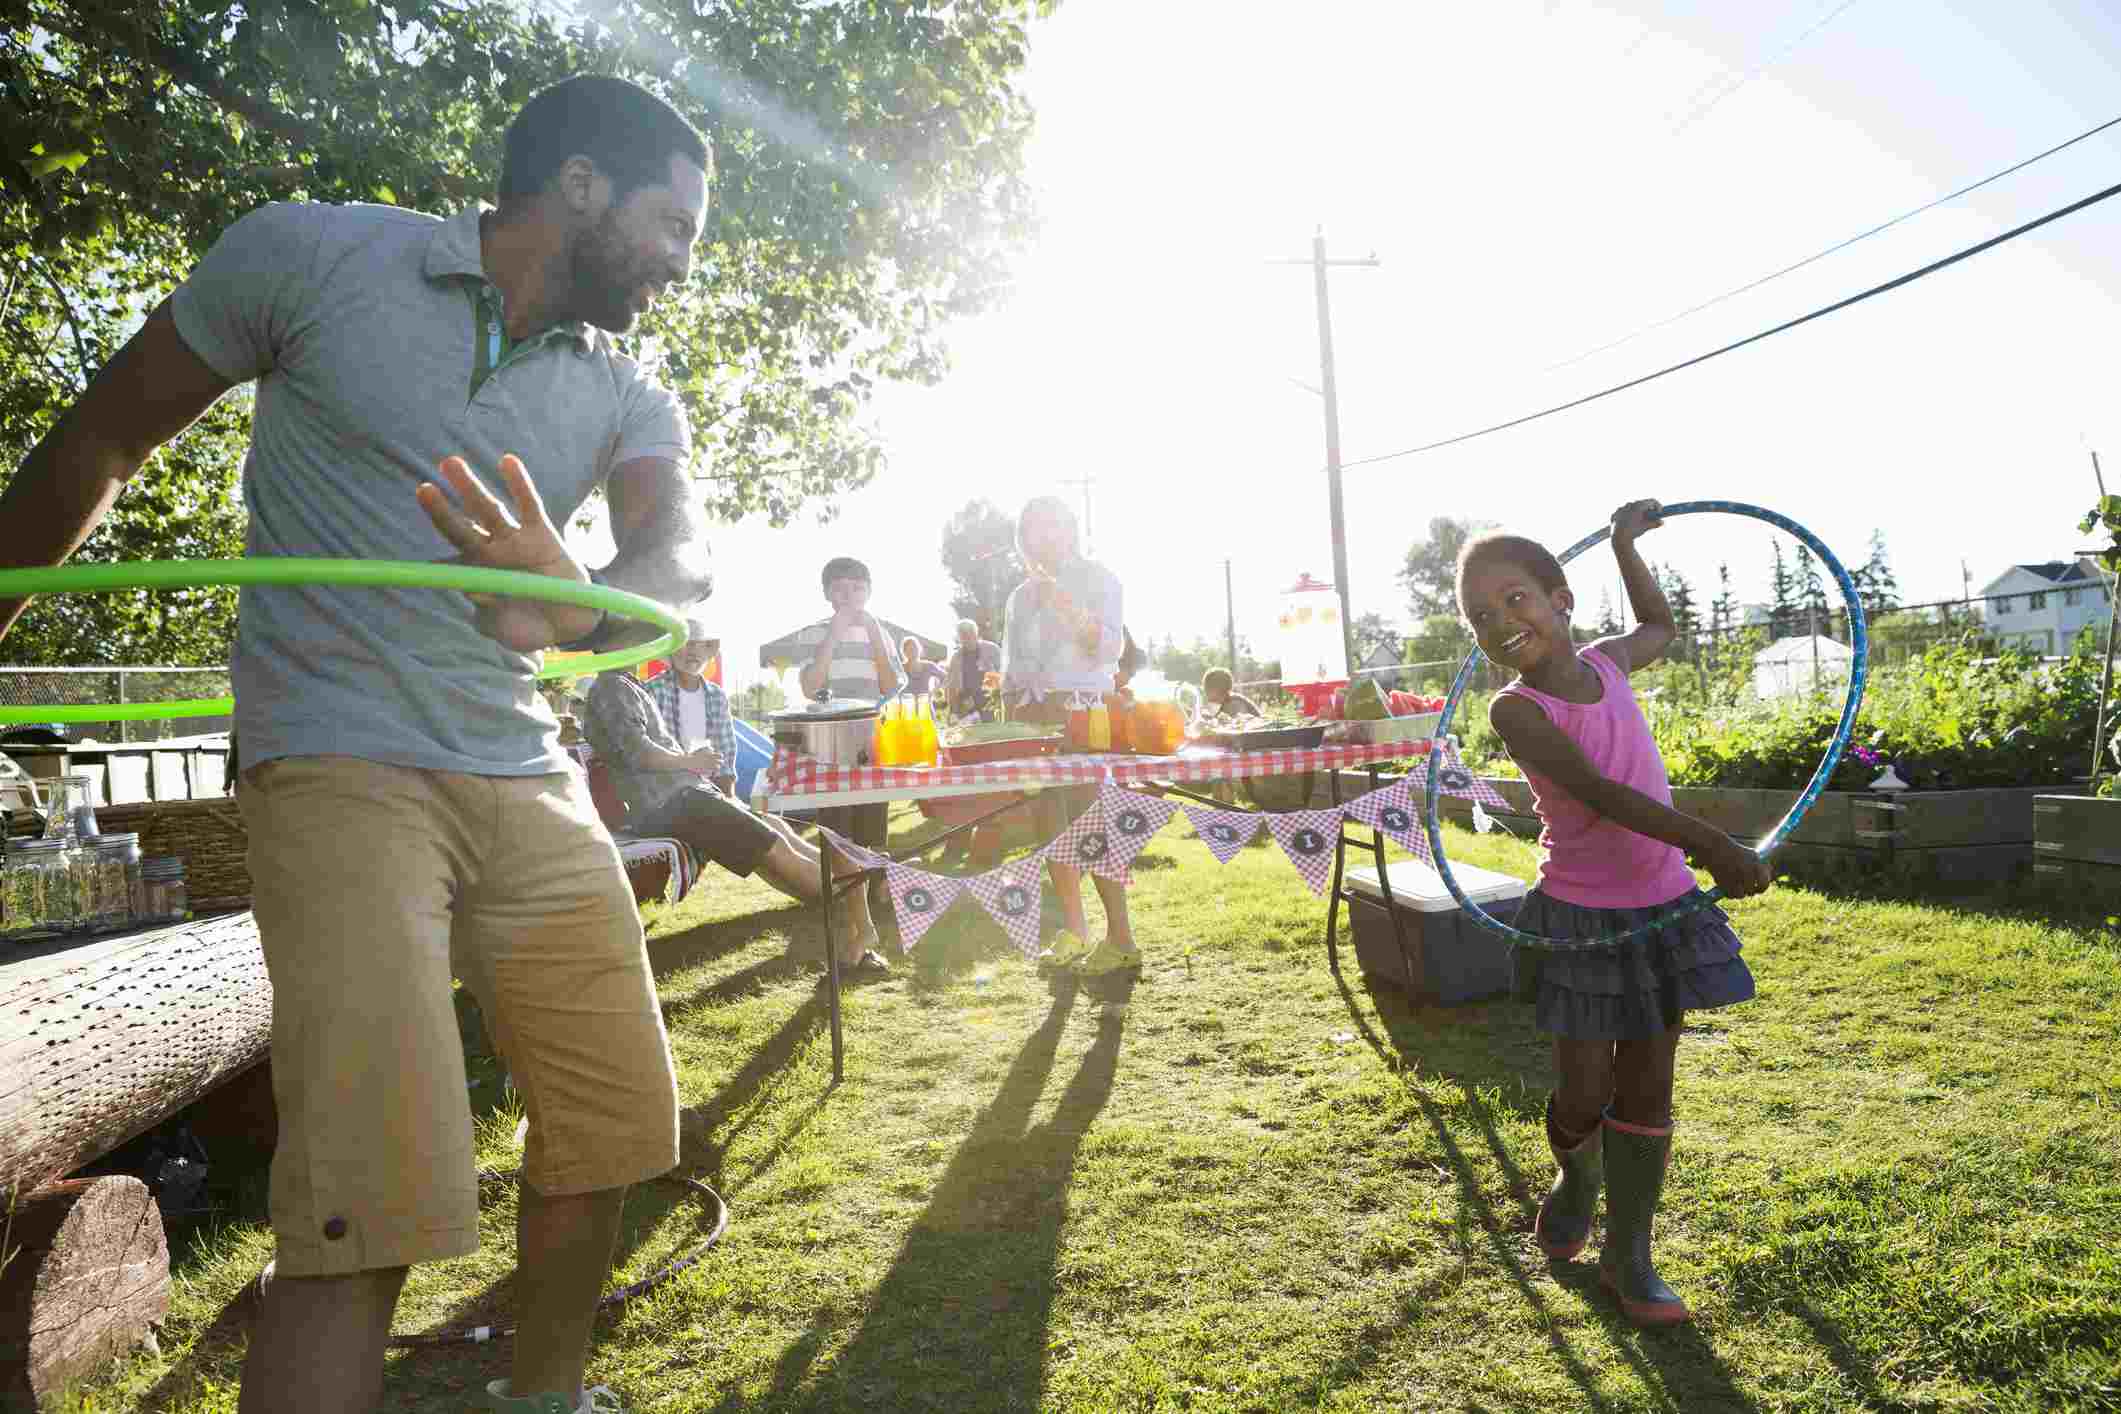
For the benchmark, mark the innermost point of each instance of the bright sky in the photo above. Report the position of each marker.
(1537, 178)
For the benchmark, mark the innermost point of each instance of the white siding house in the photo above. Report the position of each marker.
(2041, 608)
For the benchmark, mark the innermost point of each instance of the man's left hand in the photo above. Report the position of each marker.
(491, 538)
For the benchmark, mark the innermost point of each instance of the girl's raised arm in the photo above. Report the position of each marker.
(1654, 626)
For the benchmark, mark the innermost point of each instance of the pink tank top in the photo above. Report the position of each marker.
(1590, 860)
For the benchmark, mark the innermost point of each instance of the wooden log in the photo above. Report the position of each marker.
(102, 1040)
(87, 1275)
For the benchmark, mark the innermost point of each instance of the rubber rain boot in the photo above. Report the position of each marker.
(1563, 1227)
(1635, 1159)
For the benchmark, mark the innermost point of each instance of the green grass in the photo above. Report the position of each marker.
(1252, 1185)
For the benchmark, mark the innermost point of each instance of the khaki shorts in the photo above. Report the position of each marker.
(373, 886)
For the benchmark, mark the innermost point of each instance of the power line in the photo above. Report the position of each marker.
(1726, 89)
(1837, 247)
(1838, 305)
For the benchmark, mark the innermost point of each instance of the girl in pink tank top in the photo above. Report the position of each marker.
(1616, 859)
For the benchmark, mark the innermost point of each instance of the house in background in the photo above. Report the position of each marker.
(2042, 608)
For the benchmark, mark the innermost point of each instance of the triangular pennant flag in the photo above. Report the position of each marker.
(1131, 820)
(1085, 844)
(852, 852)
(1454, 779)
(918, 899)
(1307, 836)
(1225, 832)
(1394, 810)
(1010, 895)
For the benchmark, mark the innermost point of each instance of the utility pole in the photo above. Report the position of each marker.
(1319, 264)
(1230, 608)
(1086, 481)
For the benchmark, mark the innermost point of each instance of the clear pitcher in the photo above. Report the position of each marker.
(69, 805)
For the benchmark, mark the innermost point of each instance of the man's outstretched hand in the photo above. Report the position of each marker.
(491, 538)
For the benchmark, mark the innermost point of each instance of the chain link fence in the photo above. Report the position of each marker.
(84, 687)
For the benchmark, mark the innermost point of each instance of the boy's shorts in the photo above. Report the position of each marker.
(373, 885)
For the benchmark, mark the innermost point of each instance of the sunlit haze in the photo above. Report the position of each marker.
(1537, 179)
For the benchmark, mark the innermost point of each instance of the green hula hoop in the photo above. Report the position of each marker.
(353, 574)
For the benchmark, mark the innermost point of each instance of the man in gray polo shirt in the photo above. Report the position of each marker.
(410, 815)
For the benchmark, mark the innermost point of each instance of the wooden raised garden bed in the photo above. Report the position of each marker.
(2077, 845)
(1951, 835)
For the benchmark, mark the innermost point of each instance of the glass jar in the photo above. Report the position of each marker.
(70, 808)
(38, 891)
(113, 868)
(162, 892)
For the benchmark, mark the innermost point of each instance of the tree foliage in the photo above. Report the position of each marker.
(1430, 574)
(1373, 631)
(869, 188)
(979, 551)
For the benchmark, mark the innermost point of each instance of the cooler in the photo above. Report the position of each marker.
(1448, 958)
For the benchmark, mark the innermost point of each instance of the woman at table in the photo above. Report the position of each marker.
(923, 675)
(1062, 643)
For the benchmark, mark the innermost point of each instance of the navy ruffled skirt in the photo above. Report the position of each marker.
(1634, 990)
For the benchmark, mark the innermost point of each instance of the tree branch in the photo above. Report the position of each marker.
(73, 320)
(187, 68)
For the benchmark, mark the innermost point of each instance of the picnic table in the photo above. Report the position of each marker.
(795, 781)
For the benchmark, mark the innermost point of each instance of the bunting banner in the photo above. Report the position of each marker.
(1106, 838)
(1086, 843)
(1131, 821)
(1010, 895)
(1455, 779)
(918, 899)
(1392, 811)
(1224, 832)
(1307, 837)
(855, 854)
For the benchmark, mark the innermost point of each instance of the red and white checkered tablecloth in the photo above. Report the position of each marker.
(794, 774)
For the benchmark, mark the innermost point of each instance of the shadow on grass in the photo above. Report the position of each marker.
(959, 1322)
(1494, 1051)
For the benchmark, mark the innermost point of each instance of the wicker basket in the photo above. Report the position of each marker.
(208, 835)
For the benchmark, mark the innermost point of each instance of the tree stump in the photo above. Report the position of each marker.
(87, 1274)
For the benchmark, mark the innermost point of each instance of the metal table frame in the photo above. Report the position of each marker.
(831, 886)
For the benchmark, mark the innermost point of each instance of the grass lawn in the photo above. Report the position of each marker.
(1253, 1185)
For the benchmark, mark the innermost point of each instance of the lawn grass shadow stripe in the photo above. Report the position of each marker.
(973, 1284)
(709, 1131)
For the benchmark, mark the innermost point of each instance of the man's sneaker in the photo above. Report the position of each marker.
(1066, 949)
(1109, 956)
(597, 1399)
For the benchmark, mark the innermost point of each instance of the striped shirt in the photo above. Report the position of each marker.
(853, 660)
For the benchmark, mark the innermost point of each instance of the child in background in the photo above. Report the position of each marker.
(1614, 860)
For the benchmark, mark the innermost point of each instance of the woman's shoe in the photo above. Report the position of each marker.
(1066, 949)
(1563, 1227)
(1636, 1156)
(1109, 956)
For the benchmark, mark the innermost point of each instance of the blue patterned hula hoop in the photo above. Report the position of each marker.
(1859, 671)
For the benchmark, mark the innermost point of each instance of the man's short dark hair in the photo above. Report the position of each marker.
(842, 567)
(628, 132)
(1216, 680)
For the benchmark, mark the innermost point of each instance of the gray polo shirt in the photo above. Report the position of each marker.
(357, 322)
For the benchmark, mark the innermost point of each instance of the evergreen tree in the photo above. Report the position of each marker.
(1813, 615)
(1608, 620)
(1875, 582)
(1782, 606)
(1680, 595)
(1723, 609)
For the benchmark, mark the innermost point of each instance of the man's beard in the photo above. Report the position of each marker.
(604, 279)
